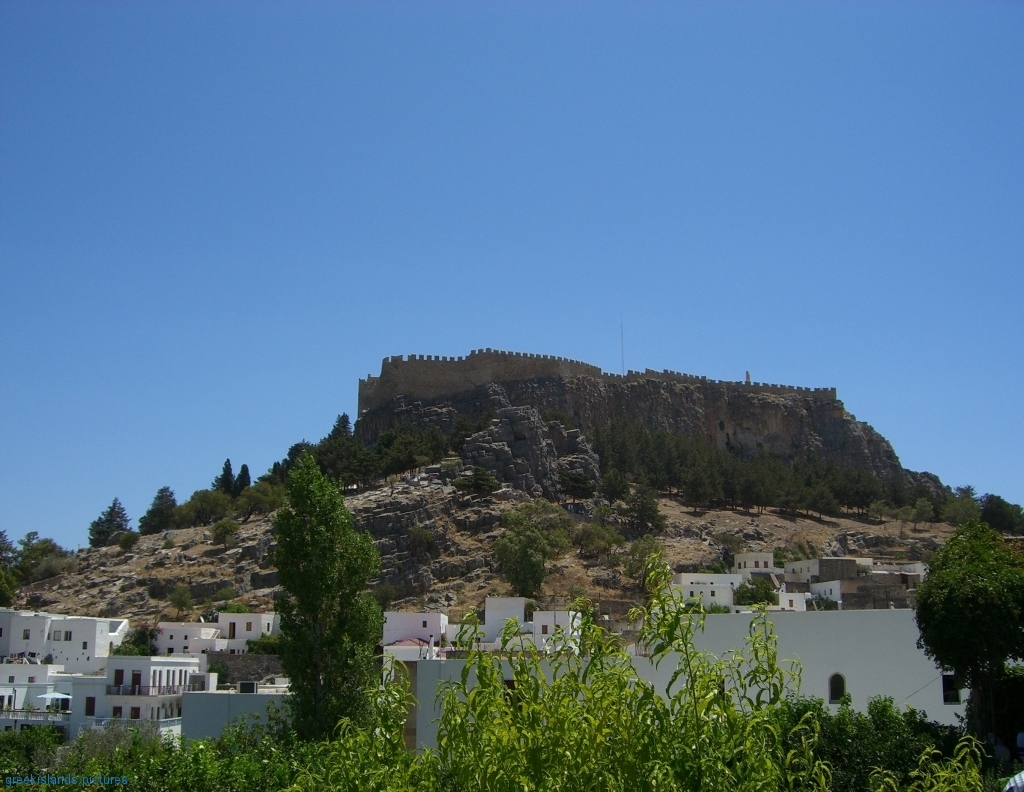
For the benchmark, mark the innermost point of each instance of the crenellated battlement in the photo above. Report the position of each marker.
(433, 376)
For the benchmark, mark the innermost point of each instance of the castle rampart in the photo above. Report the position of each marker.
(433, 376)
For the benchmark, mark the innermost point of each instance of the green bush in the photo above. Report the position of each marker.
(223, 594)
(225, 532)
(128, 540)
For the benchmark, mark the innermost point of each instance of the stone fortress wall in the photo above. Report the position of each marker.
(429, 377)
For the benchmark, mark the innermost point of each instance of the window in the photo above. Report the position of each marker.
(31, 680)
(543, 629)
(115, 712)
(1, 632)
(424, 624)
(950, 690)
(791, 603)
(170, 637)
(10, 680)
(836, 688)
(56, 635)
(757, 564)
(136, 713)
(712, 592)
(85, 645)
(90, 706)
(26, 634)
(67, 635)
(248, 626)
(170, 650)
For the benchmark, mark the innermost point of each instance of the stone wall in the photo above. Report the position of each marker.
(246, 667)
(429, 377)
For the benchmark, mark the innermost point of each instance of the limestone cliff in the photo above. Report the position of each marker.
(790, 422)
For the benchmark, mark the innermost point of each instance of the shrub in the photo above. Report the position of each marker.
(421, 542)
(480, 482)
(225, 532)
(128, 540)
(223, 594)
(235, 607)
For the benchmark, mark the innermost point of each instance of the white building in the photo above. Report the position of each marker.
(189, 638)
(860, 653)
(238, 628)
(747, 564)
(540, 630)
(138, 688)
(206, 713)
(416, 636)
(230, 633)
(79, 643)
(709, 588)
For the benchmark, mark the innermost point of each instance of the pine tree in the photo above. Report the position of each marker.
(160, 516)
(113, 519)
(225, 482)
(241, 481)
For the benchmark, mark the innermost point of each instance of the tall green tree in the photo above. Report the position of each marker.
(970, 610)
(225, 482)
(535, 533)
(961, 506)
(160, 515)
(114, 518)
(642, 513)
(1002, 515)
(330, 623)
(576, 484)
(242, 480)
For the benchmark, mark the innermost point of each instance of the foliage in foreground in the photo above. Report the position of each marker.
(579, 718)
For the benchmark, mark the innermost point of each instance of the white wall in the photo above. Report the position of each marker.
(498, 610)
(876, 652)
(205, 714)
(186, 637)
(400, 626)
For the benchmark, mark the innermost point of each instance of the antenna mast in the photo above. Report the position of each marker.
(622, 344)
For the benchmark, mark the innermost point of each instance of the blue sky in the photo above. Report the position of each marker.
(215, 218)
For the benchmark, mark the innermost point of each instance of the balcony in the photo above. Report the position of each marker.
(162, 725)
(36, 715)
(145, 690)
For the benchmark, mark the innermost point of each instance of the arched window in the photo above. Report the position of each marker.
(836, 688)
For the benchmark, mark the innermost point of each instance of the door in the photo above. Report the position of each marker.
(231, 630)
(136, 679)
(118, 676)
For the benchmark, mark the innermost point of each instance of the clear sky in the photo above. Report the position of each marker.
(216, 217)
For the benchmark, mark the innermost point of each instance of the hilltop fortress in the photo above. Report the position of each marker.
(429, 377)
(788, 421)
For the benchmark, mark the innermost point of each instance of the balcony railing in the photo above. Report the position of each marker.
(145, 690)
(165, 723)
(36, 715)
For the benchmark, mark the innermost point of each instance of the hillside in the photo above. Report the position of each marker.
(458, 573)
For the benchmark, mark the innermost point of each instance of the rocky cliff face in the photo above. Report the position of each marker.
(522, 450)
(786, 424)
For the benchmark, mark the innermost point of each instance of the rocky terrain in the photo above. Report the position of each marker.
(455, 571)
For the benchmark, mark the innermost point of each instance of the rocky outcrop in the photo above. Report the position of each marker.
(789, 424)
(522, 450)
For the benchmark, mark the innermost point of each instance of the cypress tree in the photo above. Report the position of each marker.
(225, 482)
(241, 481)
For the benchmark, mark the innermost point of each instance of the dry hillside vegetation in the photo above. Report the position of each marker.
(435, 546)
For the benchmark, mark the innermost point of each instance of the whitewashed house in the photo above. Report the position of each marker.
(79, 643)
(138, 688)
(708, 588)
(747, 564)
